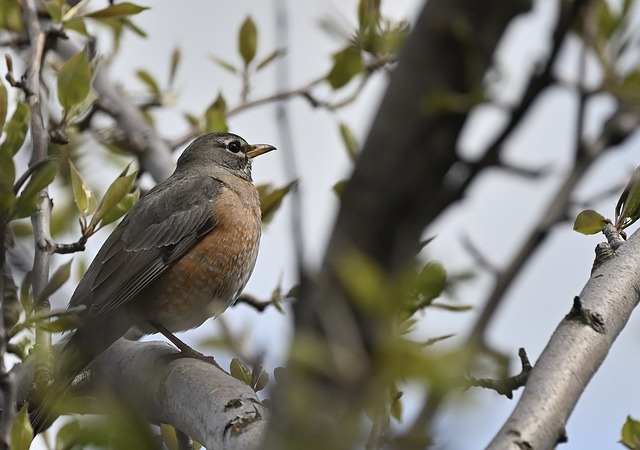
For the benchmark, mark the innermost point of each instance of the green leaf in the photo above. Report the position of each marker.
(631, 434)
(260, 381)
(148, 79)
(279, 374)
(121, 208)
(240, 371)
(67, 436)
(248, 41)
(432, 281)
(628, 206)
(4, 104)
(271, 199)
(78, 25)
(74, 80)
(589, 222)
(347, 64)
(168, 434)
(450, 307)
(59, 277)
(60, 324)
(365, 283)
(176, 55)
(216, 116)
(339, 188)
(7, 178)
(16, 130)
(224, 64)
(115, 193)
(27, 201)
(21, 430)
(368, 12)
(269, 59)
(608, 22)
(82, 194)
(117, 10)
(349, 140)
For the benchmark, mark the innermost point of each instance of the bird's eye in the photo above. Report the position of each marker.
(234, 146)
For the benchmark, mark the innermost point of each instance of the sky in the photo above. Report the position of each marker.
(496, 215)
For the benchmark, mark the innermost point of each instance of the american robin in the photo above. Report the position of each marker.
(180, 256)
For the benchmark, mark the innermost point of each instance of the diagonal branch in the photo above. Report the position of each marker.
(574, 353)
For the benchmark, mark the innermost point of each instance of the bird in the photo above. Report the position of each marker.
(180, 256)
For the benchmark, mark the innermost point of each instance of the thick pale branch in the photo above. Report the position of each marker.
(196, 397)
(574, 353)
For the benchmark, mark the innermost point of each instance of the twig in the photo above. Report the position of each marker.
(258, 305)
(506, 386)
(479, 257)
(41, 220)
(288, 159)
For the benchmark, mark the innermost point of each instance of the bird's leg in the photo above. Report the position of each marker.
(185, 349)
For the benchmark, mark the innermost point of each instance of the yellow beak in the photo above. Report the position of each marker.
(259, 149)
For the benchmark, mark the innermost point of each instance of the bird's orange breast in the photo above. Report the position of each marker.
(209, 277)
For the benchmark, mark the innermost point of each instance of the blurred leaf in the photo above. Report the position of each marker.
(4, 105)
(365, 283)
(117, 10)
(248, 41)
(261, 382)
(437, 339)
(628, 206)
(59, 277)
(115, 192)
(7, 178)
(148, 79)
(271, 199)
(224, 64)
(347, 64)
(60, 324)
(121, 208)
(54, 9)
(74, 80)
(396, 404)
(589, 222)
(631, 434)
(176, 55)
(216, 116)
(450, 307)
(607, 21)
(67, 436)
(368, 12)
(240, 371)
(339, 188)
(82, 194)
(279, 374)
(78, 25)
(27, 201)
(269, 59)
(16, 130)
(349, 140)
(21, 431)
(432, 281)
(168, 434)
(25, 293)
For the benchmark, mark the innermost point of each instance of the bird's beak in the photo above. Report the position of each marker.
(259, 149)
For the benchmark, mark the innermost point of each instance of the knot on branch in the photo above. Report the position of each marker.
(593, 319)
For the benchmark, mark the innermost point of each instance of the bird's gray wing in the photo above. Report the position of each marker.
(163, 226)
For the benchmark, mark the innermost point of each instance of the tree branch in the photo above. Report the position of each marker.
(195, 397)
(574, 353)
